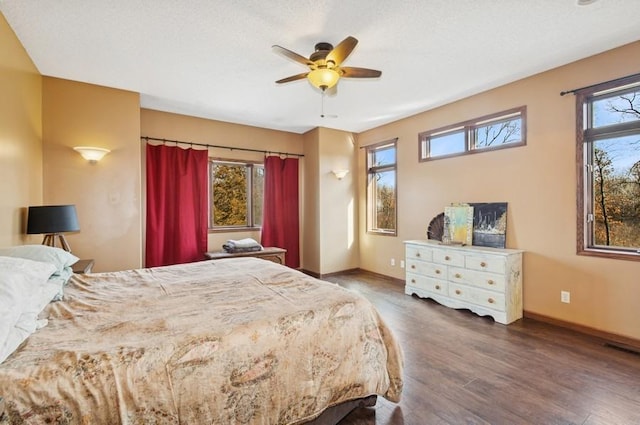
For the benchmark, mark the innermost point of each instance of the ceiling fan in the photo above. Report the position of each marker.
(324, 64)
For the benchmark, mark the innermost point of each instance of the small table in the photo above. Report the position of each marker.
(83, 266)
(277, 255)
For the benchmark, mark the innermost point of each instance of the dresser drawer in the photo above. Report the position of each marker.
(428, 284)
(452, 258)
(419, 253)
(491, 264)
(459, 292)
(427, 269)
(492, 300)
(490, 281)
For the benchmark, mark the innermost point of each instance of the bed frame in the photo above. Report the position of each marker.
(335, 414)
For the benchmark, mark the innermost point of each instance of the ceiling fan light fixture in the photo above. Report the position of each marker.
(323, 78)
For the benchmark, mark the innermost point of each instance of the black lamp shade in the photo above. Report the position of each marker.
(52, 219)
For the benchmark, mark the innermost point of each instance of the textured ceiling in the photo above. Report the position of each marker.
(213, 58)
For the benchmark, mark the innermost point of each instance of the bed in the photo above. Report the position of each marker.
(236, 341)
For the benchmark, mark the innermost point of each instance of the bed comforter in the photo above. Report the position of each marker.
(237, 341)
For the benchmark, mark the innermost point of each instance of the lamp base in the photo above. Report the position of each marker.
(50, 240)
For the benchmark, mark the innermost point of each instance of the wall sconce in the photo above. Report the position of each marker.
(340, 173)
(91, 154)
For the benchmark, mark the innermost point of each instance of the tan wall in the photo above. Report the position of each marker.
(20, 138)
(312, 238)
(338, 206)
(539, 183)
(170, 126)
(331, 242)
(106, 194)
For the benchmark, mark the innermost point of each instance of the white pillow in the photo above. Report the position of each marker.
(25, 326)
(15, 292)
(22, 291)
(46, 254)
(60, 280)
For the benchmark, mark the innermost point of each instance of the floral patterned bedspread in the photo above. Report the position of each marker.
(235, 341)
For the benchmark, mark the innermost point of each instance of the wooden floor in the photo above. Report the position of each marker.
(464, 369)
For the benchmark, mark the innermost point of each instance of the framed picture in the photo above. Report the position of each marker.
(490, 224)
(458, 224)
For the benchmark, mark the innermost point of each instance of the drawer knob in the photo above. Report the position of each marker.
(447, 258)
(413, 281)
(458, 292)
(413, 266)
(417, 254)
(458, 275)
(491, 300)
(490, 282)
(438, 287)
(437, 271)
(483, 264)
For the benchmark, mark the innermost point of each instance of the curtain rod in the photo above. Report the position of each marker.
(146, 138)
(562, 93)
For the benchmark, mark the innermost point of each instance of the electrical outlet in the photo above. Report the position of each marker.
(402, 264)
(393, 261)
(565, 296)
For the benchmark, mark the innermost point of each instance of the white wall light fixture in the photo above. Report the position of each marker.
(340, 174)
(91, 154)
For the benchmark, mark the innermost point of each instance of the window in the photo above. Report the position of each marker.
(236, 194)
(502, 130)
(608, 144)
(381, 188)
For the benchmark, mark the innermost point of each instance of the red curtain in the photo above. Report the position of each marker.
(280, 221)
(177, 197)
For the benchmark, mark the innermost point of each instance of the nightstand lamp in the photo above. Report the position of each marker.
(52, 220)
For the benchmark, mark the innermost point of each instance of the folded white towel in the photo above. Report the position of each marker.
(243, 243)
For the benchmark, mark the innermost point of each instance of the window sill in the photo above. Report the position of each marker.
(234, 229)
(382, 233)
(612, 255)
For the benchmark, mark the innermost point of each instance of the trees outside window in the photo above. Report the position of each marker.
(502, 130)
(609, 172)
(236, 194)
(381, 188)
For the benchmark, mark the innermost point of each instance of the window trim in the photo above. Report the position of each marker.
(237, 228)
(369, 172)
(469, 127)
(584, 133)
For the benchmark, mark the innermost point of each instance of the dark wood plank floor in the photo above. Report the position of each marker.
(464, 369)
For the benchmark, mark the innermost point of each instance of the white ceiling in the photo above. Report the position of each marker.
(213, 58)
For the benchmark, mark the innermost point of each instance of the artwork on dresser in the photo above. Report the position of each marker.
(458, 224)
(490, 224)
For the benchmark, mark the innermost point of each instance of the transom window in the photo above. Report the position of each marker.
(236, 194)
(381, 188)
(502, 130)
(608, 144)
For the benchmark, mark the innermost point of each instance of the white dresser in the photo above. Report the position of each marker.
(487, 281)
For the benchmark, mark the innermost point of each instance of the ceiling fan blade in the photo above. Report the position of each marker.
(350, 72)
(292, 55)
(342, 50)
(292, 78)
